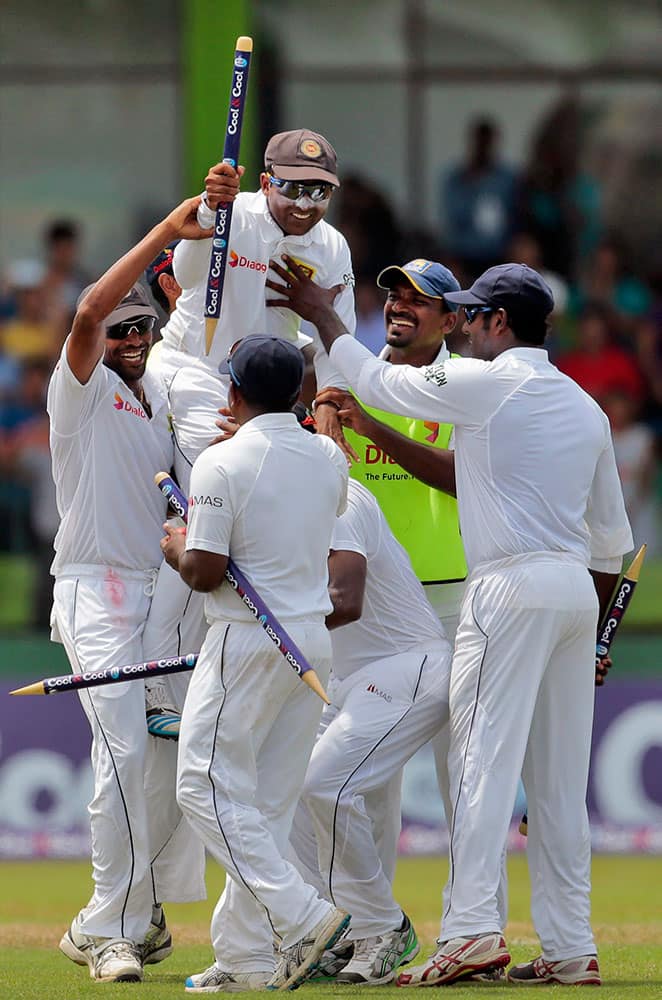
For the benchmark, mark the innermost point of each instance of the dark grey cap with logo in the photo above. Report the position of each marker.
(301, 155)
(137, 302)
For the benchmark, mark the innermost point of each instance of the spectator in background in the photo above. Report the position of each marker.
(478, 202)
(28, 503)
(366, 220)
(634, 448)
(558, 202)
(65, 278)
(369, 314)
(526, 249)
(598, 364)
(606, 279)
(29, 333)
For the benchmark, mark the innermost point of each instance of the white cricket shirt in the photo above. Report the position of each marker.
(534, 461)
(255, 239)
(269, 498)
(105, 452)
(396, 613)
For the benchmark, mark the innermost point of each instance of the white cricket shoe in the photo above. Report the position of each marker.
(110, 960)
(377, 959)
(163, 719)
(582, 971)
(459, 958)
(214, 980)
(298, 962)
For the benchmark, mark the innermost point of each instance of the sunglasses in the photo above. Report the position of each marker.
(472, 311)
(141, 324)
(293, 190)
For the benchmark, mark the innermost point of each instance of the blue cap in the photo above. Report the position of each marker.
(162, 263)
(266, 370)
(427, 276)
(516, 288)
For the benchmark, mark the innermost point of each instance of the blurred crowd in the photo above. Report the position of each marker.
(606, 330)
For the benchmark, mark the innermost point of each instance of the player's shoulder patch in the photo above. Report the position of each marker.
(435, 373)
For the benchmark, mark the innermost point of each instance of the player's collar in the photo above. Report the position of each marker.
(443, 355)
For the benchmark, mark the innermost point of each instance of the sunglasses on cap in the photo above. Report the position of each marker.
(294, 190)
(141, 324)
(472, 311)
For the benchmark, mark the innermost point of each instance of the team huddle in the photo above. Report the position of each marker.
(448, 592)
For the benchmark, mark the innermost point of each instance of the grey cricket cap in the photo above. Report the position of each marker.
(137, 302)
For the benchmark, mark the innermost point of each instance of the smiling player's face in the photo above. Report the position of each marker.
(295, 218)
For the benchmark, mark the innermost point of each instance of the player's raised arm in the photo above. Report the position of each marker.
(85, 345)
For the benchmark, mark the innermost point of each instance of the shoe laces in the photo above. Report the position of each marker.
(116, 947)
(365, 947)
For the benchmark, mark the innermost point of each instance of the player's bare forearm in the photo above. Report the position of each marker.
(433, 466)
(308, 299)
(347, 575)
(605, 585)
(86, 343)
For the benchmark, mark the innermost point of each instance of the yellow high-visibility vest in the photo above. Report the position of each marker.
(423, 519)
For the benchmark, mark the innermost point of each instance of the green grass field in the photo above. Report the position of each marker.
(38, 899)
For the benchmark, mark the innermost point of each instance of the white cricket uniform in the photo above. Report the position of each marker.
(390, 696)
(539, 501)
(196, 390)
(105, 451)
(269, 498)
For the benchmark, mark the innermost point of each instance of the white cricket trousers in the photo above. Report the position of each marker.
(446, 599)
(99, 615)
(379, 718)
(195, 394)
(246, 736)
(521, 700)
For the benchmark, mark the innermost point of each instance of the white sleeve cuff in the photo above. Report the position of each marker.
(206, 215)
(614, 564)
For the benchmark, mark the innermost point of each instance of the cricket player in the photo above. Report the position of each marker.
(109, 432)
(540, 501)
(268, 498)
(389, 691)
(286, 215)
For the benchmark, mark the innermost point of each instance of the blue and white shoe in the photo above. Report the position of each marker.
(164, 722)
(214, 980)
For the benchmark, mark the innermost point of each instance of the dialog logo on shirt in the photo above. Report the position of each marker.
(240, 261)
(204, 500)
(431, 426)
(124, 404)
(373, 689)
(435, 373)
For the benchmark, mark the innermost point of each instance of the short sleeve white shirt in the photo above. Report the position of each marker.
(255, 239)
(397, 615)
(269, 498)
(105, 452)
(534, 460)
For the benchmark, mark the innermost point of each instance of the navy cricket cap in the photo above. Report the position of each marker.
(266, 370)
(427, 276)
(516, 288)
(162, 263)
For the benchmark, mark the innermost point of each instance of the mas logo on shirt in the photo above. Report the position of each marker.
(237, 260)
(205, 500)
(124, 404)
(435, 373)
(373, 689)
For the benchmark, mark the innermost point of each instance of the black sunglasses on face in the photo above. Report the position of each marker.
(294, 190)
(141, 324)
(472, 311)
